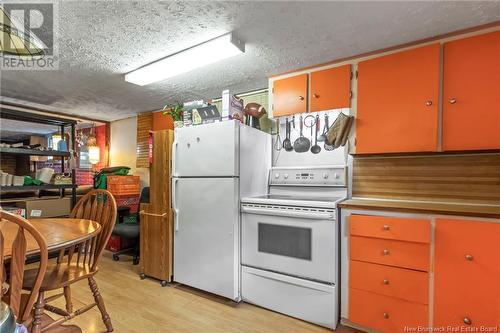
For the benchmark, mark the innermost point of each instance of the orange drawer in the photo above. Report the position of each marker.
(406, 229)
(467, 274)
(386, 314)
(390, 252)
(401, 283)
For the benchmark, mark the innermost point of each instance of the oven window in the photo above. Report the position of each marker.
(287, 241)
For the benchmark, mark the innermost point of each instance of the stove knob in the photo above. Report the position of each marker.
(337, 176)
(286, 176)
(325, 176)
(276, 175)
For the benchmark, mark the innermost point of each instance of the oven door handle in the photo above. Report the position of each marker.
(312, 215)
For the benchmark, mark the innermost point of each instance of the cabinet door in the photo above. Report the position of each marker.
(290, 95)
(398, 102)
(467, 273)
(471, 93)
(331, 88)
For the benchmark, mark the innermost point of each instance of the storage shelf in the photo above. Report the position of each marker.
(33, 152)
(35, 187)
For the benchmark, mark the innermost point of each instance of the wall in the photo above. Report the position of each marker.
(123, 147)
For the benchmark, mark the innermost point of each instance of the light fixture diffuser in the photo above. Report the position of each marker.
(187, 60)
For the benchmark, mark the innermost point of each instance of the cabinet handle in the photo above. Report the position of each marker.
(453, 100)
(428, 103)
(386, 315)
(386, 282)
(315, 95)
(301, 98)
(467, 321)
(469, 257)
(385, 252)
(386, 227)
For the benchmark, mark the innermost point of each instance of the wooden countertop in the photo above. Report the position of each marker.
(476, 210)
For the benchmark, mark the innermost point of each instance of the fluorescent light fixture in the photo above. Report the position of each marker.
(187, 60)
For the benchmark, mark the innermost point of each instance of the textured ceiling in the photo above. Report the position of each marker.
(101, 40)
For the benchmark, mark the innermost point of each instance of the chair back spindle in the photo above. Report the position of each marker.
(99, 206)
(11, 283)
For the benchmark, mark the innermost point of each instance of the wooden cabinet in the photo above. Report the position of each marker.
(331, 88)
(467, 273)
(398, 102)
(290, 95)
(471, 93)
(156, 217)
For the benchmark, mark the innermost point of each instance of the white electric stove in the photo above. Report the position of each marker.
(290, 237)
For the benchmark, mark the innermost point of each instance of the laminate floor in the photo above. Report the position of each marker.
(143, 306)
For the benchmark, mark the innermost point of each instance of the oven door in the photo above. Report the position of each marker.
(292, 241)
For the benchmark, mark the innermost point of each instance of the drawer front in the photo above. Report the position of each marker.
(401, 283)
(405, 229)
(386, 314)
(390, 252)
(467, 273)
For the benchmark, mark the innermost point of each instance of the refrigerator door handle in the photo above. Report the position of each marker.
(174, 155)
(174, 205)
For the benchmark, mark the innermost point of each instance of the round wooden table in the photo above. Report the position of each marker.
(59, 233)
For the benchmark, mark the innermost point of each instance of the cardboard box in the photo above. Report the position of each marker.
(51, 207)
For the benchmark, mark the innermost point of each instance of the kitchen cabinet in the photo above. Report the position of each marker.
(467, 273)
(471, 93)
(290, 95)
(391, 271)
(331, 88)
(398, 102)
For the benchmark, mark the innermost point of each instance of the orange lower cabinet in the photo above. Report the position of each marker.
(405, 284)
(390, 252)
(398, 228)
(386, 314)
(467, 275)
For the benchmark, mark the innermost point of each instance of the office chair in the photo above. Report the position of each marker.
(130, 231)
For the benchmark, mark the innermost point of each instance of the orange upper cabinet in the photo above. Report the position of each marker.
(331, 88)
(471, 93)
(290, 95)
(398, 102)
(467, 274)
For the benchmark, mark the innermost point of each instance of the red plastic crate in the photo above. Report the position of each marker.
(116, 243)
(131, 201)
(124, 185)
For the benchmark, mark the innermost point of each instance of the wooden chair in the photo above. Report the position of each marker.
(81, 261)
(26, 238)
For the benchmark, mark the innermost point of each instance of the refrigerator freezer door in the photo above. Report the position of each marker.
(209, 150)
(206, 234)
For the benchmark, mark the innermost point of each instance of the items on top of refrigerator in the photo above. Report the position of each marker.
(187, 112)
(232, 107)
(205, 115)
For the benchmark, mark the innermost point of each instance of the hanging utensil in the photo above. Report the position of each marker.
(322, 137)
(278, 145)
(327, 146)
(301, 144)
(287, 144)
(316, 148)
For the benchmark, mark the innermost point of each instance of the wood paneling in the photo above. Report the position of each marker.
(445, 178)
(144, 125)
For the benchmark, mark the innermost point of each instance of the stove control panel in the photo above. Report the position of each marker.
(317, 176)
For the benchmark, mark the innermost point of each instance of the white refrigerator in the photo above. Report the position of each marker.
(213, 166)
